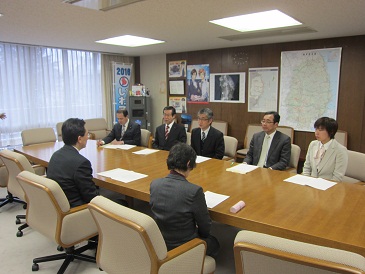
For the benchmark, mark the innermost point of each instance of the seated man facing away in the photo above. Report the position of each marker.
(169, 133)
(123, 132)
(69, 168)
(206, 140)
(179, 206)
(269, 148)
(72, 171)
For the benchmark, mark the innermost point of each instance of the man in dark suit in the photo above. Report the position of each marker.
(206, 140)
(124, 132)
(178, 206)
(269, 148)
(69, 168)
(169, 133)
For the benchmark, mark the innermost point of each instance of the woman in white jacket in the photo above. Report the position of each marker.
(326, 158)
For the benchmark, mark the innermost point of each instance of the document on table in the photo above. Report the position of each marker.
(318, 183)
(146, 151)
(242, 168)
(124, 147)
(214, 199)
(123, 175)
(201, 159)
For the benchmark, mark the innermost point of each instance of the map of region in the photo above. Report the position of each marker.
(308, 86)
(262, 89)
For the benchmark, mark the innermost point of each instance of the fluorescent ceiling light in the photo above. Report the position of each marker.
(103, 5)
(130, 41)
(257, 21)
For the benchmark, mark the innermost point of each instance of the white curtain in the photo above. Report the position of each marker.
(41, 86)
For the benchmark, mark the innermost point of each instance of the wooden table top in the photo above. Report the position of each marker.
(333, 218)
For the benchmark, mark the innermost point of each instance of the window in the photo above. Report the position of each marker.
(41, 86)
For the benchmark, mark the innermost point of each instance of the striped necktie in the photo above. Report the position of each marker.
(203, 136)
(167, 132)
(123, 131)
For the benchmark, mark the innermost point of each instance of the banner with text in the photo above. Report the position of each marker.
(122, 77)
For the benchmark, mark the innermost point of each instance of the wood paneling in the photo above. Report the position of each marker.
(351, 99)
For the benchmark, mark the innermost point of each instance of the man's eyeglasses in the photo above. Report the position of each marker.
(266, 122)
(203, 119)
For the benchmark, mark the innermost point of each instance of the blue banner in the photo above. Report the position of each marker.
(122, 77)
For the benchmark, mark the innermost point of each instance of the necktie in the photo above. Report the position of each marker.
(167, 132)
(203, 136)
(319, 154)
(123, 131)
(264, 150)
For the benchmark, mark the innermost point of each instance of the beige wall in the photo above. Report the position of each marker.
(153, 76)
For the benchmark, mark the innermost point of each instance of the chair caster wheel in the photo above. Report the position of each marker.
(19, 233)
(35, 267)
(17, 221)
(24, 206)
(60, 248)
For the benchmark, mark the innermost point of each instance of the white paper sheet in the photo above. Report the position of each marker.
(122, 175)
(124, 147)
(242, 168)
(214, 199)
(146, 151)
(318, 183)
(201, 159)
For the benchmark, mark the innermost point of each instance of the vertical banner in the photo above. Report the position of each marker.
(122, 76)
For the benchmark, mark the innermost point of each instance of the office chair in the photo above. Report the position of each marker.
(294, 159)
(262, 253)
(38, 136)
(230, 148)
(97, 127)
(49, 213)
(250, 131)
(145, 138)
(355, 171)
(15, 163)
(131, 242)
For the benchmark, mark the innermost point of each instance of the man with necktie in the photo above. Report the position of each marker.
(169, 133)
(206, 140)
(123, 132)
(269, 148)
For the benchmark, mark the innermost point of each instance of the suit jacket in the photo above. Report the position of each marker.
(333, 164)
(177, 134)
(73, 173)
(179, 209)
(132, 135)
(213, 145)
(278, 156)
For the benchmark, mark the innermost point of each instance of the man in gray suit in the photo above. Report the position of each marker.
(269, 148)
(179, 206)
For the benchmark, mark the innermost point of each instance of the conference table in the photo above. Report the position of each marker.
(334, 217)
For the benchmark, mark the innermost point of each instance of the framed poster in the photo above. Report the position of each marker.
(227, 87)
(176, 87)
(177, 68)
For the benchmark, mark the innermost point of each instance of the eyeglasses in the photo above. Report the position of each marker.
(266, 122)
(203, 119)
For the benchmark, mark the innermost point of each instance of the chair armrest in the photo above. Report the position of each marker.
(184, 248)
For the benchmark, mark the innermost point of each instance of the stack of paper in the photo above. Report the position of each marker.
(242, 168)
(318, 183)
(146, 151)
(214, 199)
(124, 147)
(122, 175)
(201, 159)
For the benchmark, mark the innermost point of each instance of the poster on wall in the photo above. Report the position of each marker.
(179, 103)
(309, 83)
(263, 89)
(227, 87)
(197, 81)
(177, 68)
(122, 77)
